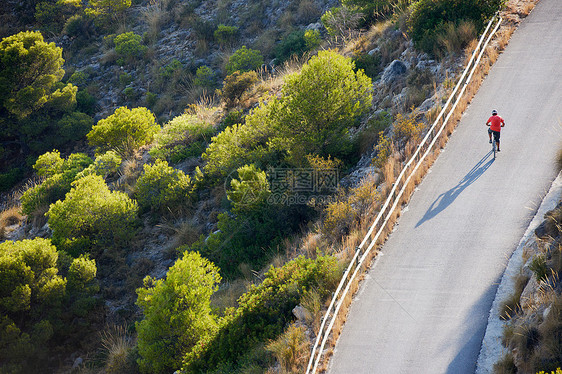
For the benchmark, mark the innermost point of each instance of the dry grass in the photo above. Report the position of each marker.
(512, 305)
(9, 219)
(117, 346)
(291, 350)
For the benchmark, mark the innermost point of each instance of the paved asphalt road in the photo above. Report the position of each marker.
(423, 307)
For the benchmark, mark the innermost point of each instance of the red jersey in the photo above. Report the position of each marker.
(496, 123)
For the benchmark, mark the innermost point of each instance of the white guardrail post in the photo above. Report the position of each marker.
(393, 200)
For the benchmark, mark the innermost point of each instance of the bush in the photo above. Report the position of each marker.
(293, 44)
(263, 313)
(204, 77)
(370, 64)
(177, 313)
(128, 46)
(36, 297)
(59, 175)
(429, 19)
(162, 188)
(78, 78)
(384, 150)
(243, 60)
(105, 165)
(226, 35)
(125, 130)
(92, 218)
(235, 85)
(240, 144)
(85, 103)
(183, 137)
(406, 128)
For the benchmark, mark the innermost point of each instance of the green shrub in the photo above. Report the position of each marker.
(105, 165)
(293, 44)
(429, 19)
(263, 313)
(34, 295)
(125, 130)
(243, 60)
(312, 39)
(71, 128)
(226, 35)
(59, 175)
(539, 267)
(370, 64)
(177, 313)
(235, 85)
(182, 137)
(151, 99)
(204, 77)
(85, 103)
(312, 116)
(168, 71)
(384, 150)
(10, 179)
(78, 78)
(240, 144)
(76, 26)
(250, 234)
(162, 188)
(128, 46)
(125, 79)
(92, 218)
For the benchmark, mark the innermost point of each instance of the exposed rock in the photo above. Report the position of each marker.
(77, 362)
(396, 69)
(300, 313)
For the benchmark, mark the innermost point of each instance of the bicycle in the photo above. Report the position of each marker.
(494, 146)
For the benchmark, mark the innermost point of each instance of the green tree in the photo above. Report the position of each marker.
(244, 59)
(318, 106)
(125, 130)
(92, 218)
(29, 68)
(177, 313)
(162, 188)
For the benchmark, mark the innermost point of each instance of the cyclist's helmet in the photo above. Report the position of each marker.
(494, 112)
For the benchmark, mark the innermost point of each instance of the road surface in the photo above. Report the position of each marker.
(424, 306)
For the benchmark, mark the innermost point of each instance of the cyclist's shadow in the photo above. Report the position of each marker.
(447, 198)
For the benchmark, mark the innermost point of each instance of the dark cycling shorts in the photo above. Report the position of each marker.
(496, 135)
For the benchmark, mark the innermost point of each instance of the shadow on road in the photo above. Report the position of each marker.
(447, 198)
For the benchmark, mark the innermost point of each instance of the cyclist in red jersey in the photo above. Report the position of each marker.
(495, 123)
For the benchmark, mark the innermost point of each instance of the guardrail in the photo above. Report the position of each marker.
(427, 145)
